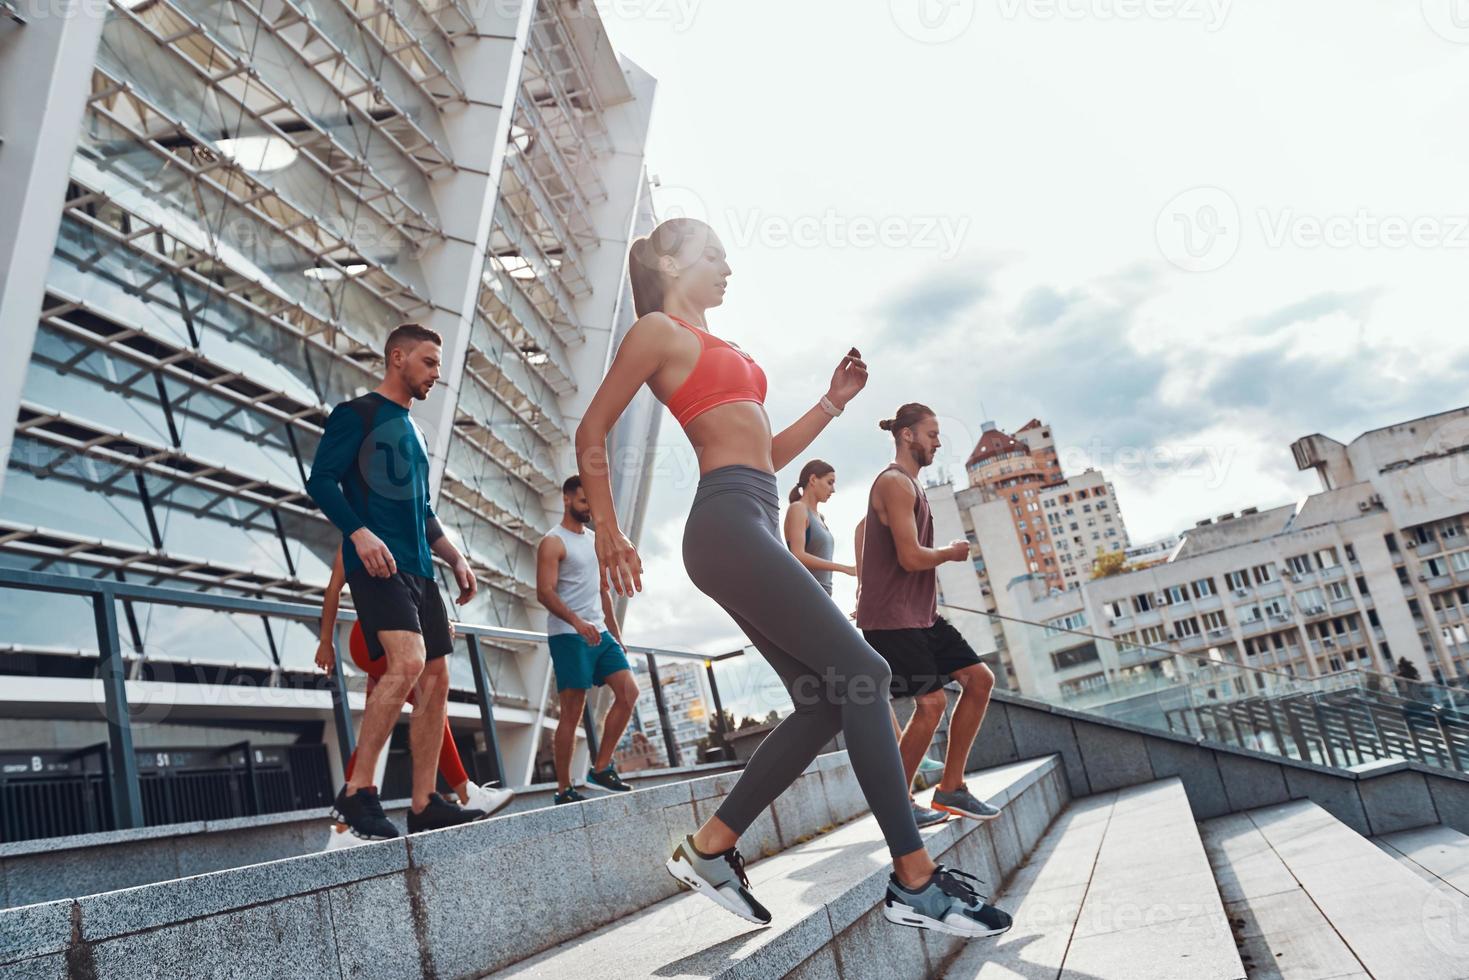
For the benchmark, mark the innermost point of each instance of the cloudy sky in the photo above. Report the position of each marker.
(1182, 232)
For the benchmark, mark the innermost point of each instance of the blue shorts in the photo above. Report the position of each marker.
(579, 665)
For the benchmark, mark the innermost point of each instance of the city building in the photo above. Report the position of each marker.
(1023, 517)
(1370, 570)
(225, 212)
(686, 698)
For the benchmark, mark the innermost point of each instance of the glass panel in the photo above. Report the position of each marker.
(81, 496)
(196, 523)
(173, 633)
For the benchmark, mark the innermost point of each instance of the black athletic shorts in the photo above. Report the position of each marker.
(922, 659)
(402, 601)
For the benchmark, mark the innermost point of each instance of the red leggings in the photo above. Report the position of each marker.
(450, 764)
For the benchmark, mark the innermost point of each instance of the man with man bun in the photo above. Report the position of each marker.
(897, 611)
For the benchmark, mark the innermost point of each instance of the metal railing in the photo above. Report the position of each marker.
(123, 790)
(1340, 719)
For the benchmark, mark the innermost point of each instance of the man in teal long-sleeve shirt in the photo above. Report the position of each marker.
(370, 478)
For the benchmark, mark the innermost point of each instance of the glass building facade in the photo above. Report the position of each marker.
(257, 193)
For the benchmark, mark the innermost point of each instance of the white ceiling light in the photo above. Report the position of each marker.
(259, 154)
(323, 273)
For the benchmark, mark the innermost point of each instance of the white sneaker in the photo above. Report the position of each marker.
(339, 838)
(491, 799)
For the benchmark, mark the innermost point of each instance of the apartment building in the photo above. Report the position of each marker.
(1371, 569)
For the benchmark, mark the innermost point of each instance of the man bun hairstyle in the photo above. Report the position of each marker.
(668, 238)
(814, 467)
(906, 417)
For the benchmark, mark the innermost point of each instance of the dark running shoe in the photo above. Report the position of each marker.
(362, 812)
(440, 813)
(720, 877)
(946, 903)
(608, 779)
(568, 795)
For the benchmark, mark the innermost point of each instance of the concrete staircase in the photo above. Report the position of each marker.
(1122, 853)
(1310, 898)
(826, 898)
(519, 891)
(1120, 887)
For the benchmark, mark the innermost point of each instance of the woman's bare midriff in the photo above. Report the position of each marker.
(737, 434)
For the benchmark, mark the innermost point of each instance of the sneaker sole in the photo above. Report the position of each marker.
(933, 823)
(685, 873)
(903, 915)
(337, 817)
(982, 818)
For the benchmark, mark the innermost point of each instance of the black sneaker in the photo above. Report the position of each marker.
(608, 779)
(568, 795)
(440, 813)
(362, 812)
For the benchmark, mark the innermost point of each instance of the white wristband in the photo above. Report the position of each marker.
(829, 407)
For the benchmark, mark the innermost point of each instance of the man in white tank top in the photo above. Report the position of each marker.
(585, 641)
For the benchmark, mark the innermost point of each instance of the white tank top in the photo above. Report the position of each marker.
(577, 582)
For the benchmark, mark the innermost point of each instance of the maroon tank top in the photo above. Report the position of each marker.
(893, 598)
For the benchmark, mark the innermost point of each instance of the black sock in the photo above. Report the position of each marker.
(706, 857)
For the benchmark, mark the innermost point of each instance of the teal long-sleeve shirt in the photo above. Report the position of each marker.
(371, 470)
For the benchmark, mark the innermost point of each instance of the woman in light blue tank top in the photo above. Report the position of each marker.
(806, 533)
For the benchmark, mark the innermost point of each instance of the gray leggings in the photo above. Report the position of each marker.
(734, 553)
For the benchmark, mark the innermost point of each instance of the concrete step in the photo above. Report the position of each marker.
(1120, 887)
(825, 896)
(449, 903)
(1437, 854)
(1310, 898)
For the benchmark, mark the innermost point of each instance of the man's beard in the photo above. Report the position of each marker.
(921, 457)
(582, 517)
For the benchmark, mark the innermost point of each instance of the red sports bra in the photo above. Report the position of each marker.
(722, 374)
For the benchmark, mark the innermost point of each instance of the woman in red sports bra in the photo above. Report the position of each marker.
(734, 553)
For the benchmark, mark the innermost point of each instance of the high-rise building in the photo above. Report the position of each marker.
(687, 702)
(1023, 517)
(1370, 570)
(215, 212)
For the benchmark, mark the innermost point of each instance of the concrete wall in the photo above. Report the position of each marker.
(451, 903)
(86, 864)
(1100, 756)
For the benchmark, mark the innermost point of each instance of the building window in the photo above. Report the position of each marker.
(1263, 573)
(1238, 580)
(1202, 588)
